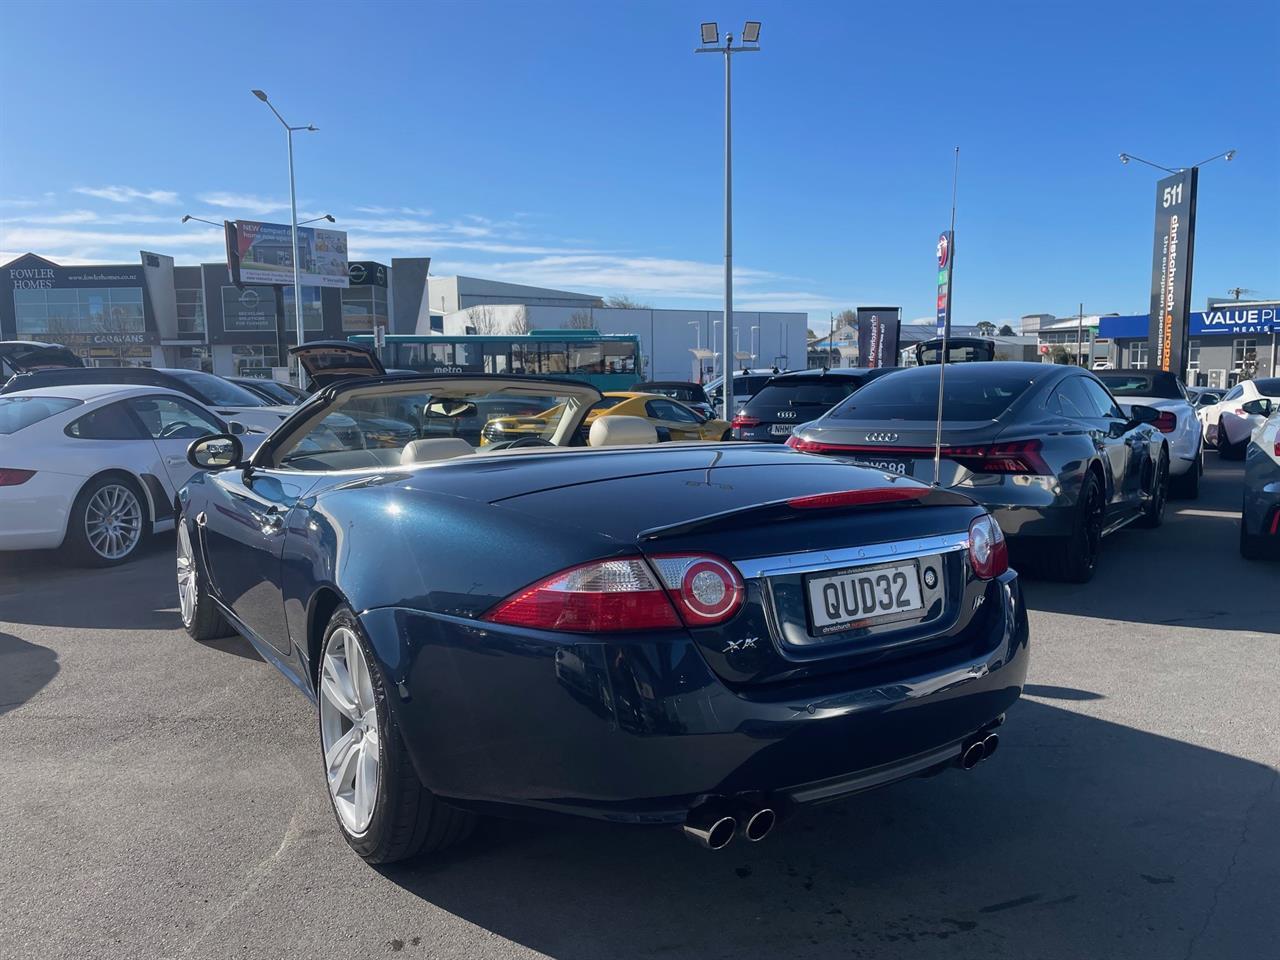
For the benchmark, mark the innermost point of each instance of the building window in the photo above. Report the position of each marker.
(363, 308)
(1138, 355)
(54, 313)
(1244, 357)
(190, 311)
(253, 309)
(1193, 355)
(253, 361)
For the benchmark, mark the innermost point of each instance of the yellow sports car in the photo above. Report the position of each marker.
(671, 418)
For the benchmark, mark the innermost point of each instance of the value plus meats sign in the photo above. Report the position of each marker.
(946, 255)
(1171, 270)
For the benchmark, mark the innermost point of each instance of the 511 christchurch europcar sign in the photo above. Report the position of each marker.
(1171, 271)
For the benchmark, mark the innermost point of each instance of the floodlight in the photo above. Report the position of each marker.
(751, 31)
(710, 34)
(1229, 155)
(260, 95)
(1124, 158)
(186, 217)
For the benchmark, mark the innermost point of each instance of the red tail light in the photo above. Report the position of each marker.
(1167, 422)
(1017, 456)
(988, 551)
(12, 477)
(857, 498)
(610, 596)
(742, 420)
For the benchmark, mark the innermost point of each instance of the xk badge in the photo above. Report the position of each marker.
(746, 643)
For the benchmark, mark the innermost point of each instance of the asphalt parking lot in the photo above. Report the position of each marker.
(163, 798)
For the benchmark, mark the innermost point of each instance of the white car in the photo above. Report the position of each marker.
(94, 468)
(1177, 421)
(1227, 425)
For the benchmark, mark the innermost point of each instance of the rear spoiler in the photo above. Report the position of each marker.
(791, 508)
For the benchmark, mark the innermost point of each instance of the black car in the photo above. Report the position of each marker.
(790, 399)
(686, 391)
(273, 391)
(1044, 446)
(703, 635)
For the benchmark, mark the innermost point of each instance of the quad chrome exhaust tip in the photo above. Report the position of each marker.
(710, 830)
(760, 824)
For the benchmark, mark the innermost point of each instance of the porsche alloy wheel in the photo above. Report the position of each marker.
(113, 522)
(201, 617)
(349, 731)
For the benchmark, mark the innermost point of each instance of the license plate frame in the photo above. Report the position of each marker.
(895, 465)
(781, 429)
(916, 609)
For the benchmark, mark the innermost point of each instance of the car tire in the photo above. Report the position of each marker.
(200, 616)
(1253, 546)
(1187, 486)
(1153, 513)
(1226, 449)
(1074, 559)
(108, 522)
(402, 818)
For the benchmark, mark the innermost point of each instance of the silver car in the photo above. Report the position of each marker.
(1260, 513)
(1044, 447)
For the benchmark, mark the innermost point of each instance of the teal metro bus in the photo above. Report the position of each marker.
(605, 360)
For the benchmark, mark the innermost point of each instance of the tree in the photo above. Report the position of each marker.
(845, 318)
(484, 321)
(812, 336)
(519, 325)
(986, 328)
(623, 302)
(1060, 355)
(1007, 331)
(579, 320)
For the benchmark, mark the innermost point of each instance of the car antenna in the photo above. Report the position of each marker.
(946, 326)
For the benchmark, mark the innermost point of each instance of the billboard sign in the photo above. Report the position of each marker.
(946, 251)
(1224, 318)
(366, 273)
(878, 333)
(263, 253)
(1168, 329)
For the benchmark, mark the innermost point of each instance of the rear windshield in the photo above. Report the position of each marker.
(1268, 386)
(689, 394)
(977, 391)
(218, 391)
(1140, 385)
(19, 412)
(804, 392)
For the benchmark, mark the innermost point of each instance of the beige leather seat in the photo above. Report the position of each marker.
(621, 431)
(436, 448)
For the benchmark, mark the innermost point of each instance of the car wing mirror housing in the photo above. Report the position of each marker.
(236, 428)
(1142, 414)
(1261, 407)
(216, 452)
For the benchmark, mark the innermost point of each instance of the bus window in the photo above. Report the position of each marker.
(552, 358)
(439, 353)
(586, 358)
(497, 357)
(620, 357)
(468, 357)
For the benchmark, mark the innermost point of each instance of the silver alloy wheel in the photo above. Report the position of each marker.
(188, 589)
(349, 731)
(113, 521)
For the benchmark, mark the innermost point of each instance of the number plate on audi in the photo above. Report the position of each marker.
(863, 596)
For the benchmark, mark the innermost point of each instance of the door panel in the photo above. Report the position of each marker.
(244, 538)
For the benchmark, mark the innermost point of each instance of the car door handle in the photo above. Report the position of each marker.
(272, 522)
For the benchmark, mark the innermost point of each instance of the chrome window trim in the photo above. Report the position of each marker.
(815, 561)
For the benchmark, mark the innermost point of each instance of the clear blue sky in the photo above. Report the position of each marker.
(579, 144)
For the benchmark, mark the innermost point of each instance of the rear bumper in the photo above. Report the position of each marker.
(640, 730)
(33, 515)
(1261, 493)
(1027, 506)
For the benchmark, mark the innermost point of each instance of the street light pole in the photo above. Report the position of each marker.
(711, 44)
(293, 221)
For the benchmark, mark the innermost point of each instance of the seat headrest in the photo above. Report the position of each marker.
(621, 430)
(436, 448)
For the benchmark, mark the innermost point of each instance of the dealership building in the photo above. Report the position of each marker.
(155, 313)
(1229, 341)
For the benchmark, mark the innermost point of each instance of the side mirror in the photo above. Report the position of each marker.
(236, 428)
(1141, 414)
(1261, 407)
(216, 452)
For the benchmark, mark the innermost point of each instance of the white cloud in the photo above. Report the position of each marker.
(407, 211)
(244, 203)
(128, 194)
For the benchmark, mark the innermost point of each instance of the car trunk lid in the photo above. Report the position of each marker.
(328, 361)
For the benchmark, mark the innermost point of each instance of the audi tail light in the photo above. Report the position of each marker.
(742, 420)
(612, 596)
(988, 550)
(1166, 422)
(1018, 456)
(12, 477)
